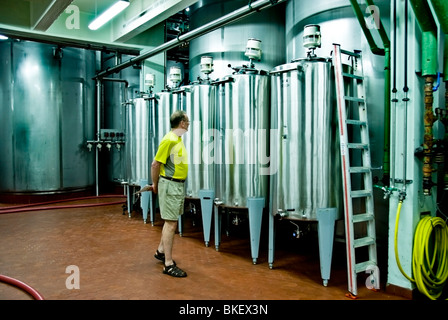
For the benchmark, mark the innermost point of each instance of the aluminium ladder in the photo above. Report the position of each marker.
(357, 152)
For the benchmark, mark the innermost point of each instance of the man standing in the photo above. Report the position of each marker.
(168, 172)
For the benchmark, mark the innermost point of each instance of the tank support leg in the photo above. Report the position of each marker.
(129, 195)
(180, 225)
(217, 226)
(326, 218)
(271, 244)
(206, 197)
(151, 208)
(256, 206)
(144, 200)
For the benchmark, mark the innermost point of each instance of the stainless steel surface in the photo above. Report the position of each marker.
(148, 120)
(199, 103)
(242, 135)
(338, 24)
(113, 114)
(47, 106)
(306, 147)
(166, 103)
(242, 12)
(139, 140)
(228, 44)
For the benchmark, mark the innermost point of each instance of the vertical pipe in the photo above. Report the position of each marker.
(386, 53)
(428, 26)
(98, 126)
(428, 136)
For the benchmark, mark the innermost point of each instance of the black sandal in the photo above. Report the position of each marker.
(174, 271)
(159, 256)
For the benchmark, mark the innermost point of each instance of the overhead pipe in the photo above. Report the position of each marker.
(428, 26)
(385, 51)
(208, 27)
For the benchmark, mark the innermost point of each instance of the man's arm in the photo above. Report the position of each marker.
(155, 172)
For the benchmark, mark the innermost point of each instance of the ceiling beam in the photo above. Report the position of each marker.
(142, 15)
(44, 12)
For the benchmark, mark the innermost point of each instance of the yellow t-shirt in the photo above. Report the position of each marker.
(173, 156)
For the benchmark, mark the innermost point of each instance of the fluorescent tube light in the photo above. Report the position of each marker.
(2, 37)
(107, 15)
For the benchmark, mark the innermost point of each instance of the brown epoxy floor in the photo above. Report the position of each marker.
(114, 254)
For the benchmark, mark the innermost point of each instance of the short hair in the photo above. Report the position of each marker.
(176, 118)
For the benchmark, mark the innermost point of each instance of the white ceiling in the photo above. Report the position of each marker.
(54, 19)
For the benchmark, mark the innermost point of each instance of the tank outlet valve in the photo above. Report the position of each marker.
(282, 213)
(89, 146)
(99, 146)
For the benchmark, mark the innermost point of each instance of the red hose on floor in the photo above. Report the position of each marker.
(33, 292)
(26, 208)
(60, 200)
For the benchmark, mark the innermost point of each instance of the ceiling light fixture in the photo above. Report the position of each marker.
(107, 15)
(2, 37)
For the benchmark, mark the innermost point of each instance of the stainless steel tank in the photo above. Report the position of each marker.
(226, 45)
(148, 120)
(242, 129)
(166, 103)
(199, 103)
(305, 148)
(47, 109)
(140, 139)
(338, 24)
(114, 113)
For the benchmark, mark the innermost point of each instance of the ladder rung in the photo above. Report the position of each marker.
(363, 266)
(362, 217)
(351, 75)
(362, 242)
(361, 193)
(359, 169)
(356, 122)
(355, 99)
(358, 145)
(350, 53)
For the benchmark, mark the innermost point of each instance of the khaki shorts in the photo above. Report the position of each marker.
(171, 199)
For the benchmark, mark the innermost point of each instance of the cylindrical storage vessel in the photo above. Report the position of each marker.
(242, 129)
(338, 24)
(227, 44)
(115, 94)
(47, 110)
(199, 103)
(139, 140)
(166, 102)
(305, 146)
